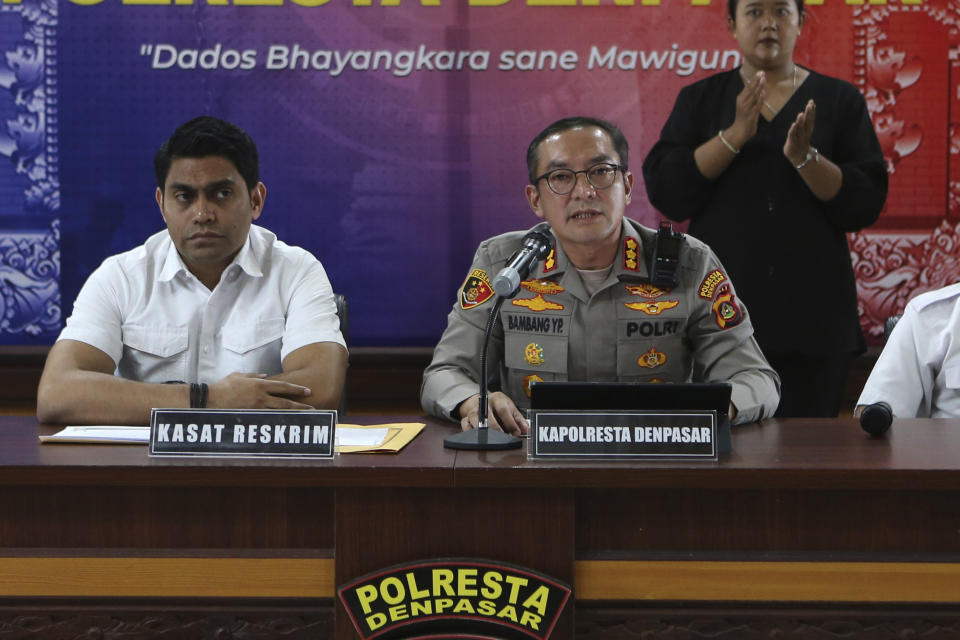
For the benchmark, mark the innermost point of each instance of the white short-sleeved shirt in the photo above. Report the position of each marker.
(158, 322)
(918, 371)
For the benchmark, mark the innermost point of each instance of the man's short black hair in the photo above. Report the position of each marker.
(732, 8)
(209, 136)
(616, 136)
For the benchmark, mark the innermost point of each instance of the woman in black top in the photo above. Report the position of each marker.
(773, 164)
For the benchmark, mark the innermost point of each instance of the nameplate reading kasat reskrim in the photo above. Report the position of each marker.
(242, 433)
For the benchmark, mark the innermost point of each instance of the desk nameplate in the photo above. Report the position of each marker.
(624, 435)
(243, 433)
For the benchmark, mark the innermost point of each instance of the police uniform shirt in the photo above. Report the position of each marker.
(628, 330)
(918, 371)
(158, 322)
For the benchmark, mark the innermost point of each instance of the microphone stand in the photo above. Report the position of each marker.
(484, 438)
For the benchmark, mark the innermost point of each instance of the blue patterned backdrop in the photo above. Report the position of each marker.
(29, 186)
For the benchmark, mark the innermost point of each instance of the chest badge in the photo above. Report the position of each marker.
(533, 354)
(645, 290)
(528, 380)
(652, 359)
(652, 308)
(542, 286)
(538, 303)
(476, 290)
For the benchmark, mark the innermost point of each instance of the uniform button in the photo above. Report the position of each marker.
(206, 349)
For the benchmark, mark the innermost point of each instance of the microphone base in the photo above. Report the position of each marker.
(482, 440)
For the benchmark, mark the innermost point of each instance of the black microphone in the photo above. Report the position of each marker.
(536, 246)
(876, 418)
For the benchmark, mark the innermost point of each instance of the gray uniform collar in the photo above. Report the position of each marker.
(630, 264)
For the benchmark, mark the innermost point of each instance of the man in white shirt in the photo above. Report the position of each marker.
(918, 371)
(217, 306)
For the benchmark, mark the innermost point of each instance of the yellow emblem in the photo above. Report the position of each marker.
(652, 308)
(541, 286)
(537, 304)
(652, 359)
(630, 254)
(550, 262)
(533, 354)
(645, 290)
(528, 380)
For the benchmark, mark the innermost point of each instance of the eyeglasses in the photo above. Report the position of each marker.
(563, 181)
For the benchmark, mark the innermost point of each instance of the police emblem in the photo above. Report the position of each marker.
(533, 354)
(528, 380)
(538, 303)
(645, 290)
(631, 260)
(476, 290)
(652, 359)
(652, 308)
(726, 311)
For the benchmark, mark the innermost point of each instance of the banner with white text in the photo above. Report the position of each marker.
(393, 133)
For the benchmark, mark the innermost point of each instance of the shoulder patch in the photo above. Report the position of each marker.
(726, 311)
(709, 285)
(476, 290)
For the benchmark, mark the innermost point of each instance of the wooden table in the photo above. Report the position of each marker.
(808, 529)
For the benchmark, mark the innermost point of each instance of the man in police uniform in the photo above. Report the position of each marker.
(589, 311)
